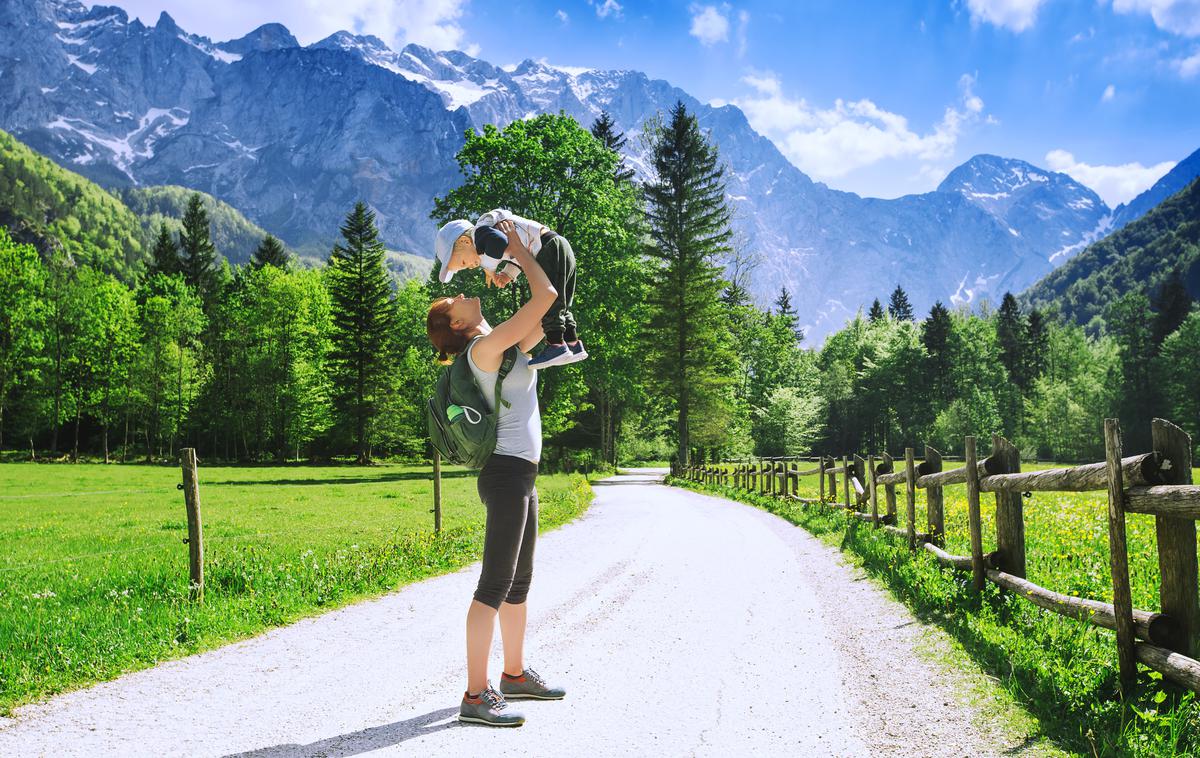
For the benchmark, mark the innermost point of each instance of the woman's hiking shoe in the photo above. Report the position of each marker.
(489, 708)
(553, 355)
(529, 685)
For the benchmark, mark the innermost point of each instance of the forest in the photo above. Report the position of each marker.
(125, 343)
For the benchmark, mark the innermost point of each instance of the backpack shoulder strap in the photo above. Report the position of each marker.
(506, 365)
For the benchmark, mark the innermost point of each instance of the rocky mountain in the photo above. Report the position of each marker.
(1137, 258)
(292, 136)
(1175, 180)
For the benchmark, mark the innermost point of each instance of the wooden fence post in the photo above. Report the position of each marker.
(437, 492)
(933, 498)
(1010, 512)
(1118, 557)
(846, 479)
(195, 538)
(794, 478)
(873, 489)
(833, 489)
(889, 490)
(860, 498)
(910, 497)
(1177, 539)
(972, 465)
(821, 477)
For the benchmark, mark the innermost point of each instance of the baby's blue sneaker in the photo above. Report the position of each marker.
(553, 355)
(578, 353)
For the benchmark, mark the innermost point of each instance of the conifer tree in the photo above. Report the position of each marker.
(899, 308)
(784, 308)
(198, 257)
(1037, 346)
(876, 313)
(687, 334)
(1011, 337)
(605, 130)
(1171, 304)
(363, 319)
(164, 259)
(935, 335)
(270, 252)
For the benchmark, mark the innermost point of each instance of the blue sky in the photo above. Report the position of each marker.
(875, 97)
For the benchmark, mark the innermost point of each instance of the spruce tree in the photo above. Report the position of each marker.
(935, 335)
(605, 130)
(1037, 346)
(876, 312)
(1171, 305)
(363, 320)
(687, 334)
(784, 308)
(198, 257)
(1011, 337)
(899, 308)
(270, 252)
(164, 258)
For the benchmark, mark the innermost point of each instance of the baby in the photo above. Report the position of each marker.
(461, 244)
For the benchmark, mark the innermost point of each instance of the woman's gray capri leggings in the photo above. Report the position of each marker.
(507, 489)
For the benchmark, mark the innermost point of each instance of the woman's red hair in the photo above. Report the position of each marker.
(446, 340)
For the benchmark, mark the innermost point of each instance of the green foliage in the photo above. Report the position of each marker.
(899, 307)
(234, 236)
(1179, 366)
(688, 350)
(197, 254)
(57, 210)
(363, 319)
(790, 423)
(270, 252)
(1138, 258)
(164, 257)
(550, 169)
(22, 314)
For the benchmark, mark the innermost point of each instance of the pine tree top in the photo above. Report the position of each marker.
(270, 252)
(899, 307)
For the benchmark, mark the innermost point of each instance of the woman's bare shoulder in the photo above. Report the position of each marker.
(486, 353)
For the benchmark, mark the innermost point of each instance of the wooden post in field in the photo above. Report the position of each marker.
(1177, 539)
(821, 477)
(195, 538)
(860, 484)
(873, 489)
(794, 478)
(1010, 512)
(833, 489)
(910, 497)
(889, 490)
(437, 491)
(972, 466)
(934, 500)
(846, 479)
(1118, 557)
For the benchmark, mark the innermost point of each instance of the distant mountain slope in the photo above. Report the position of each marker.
(1174, 180)
(44, 204)
(292, 136)
(233, 234)
(1136, 258)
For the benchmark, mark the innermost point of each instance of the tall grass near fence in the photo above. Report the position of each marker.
(94, 572)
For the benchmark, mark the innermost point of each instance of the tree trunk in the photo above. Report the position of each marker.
(75, 447)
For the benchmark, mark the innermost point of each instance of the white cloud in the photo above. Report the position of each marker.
(607, 8)
(1176, 16)
(743, 22)
(1109, 93)
(710, 25)
(562, 16)
(1017, 15)
(433, 23)
(1114, 184)
(1188, 67)
(831, 142)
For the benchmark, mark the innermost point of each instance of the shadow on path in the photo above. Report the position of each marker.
(363, 741)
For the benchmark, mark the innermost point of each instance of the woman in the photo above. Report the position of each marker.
(506, 486)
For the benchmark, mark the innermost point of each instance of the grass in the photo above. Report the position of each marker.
(94, 572)
(1061, 671)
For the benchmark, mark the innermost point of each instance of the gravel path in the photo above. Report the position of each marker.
(680, 624)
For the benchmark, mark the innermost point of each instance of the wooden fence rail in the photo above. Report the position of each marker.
(1158, 483)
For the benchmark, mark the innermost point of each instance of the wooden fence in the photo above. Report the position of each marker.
(1158, 483)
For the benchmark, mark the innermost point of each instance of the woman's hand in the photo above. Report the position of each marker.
(516, 248)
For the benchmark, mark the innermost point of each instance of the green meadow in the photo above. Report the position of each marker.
(94, 570)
